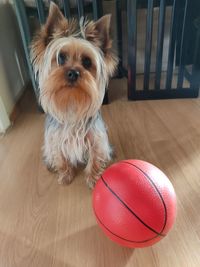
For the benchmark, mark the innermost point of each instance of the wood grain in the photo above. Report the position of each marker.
(43, 224)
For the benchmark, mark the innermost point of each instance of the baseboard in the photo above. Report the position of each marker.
(15, 112)
(4, 120)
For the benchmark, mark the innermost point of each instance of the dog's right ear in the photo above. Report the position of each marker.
(56, 24)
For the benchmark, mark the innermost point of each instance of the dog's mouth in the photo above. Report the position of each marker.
(72, 85)
(70, 93)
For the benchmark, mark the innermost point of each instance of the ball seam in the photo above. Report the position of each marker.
(130, 210)
(158, 192)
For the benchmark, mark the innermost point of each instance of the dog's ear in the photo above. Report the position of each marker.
(56, 26)
(56, 23)
(103, 29)
(99, 33)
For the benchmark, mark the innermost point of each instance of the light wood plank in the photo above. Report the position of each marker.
(44, 224)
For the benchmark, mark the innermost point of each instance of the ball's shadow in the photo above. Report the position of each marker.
(93, 248)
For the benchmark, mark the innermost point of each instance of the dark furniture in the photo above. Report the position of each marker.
(183, 51)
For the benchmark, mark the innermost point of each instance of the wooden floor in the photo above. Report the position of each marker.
(43, 224)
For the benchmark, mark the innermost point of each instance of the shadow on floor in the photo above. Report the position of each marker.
(90, 247)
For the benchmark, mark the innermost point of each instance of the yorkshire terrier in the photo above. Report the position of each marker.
(73, 62)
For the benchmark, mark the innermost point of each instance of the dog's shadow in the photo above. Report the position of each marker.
(90, 247)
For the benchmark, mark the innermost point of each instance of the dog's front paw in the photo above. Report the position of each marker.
(91, 181)
(50, 168)
(65, 178)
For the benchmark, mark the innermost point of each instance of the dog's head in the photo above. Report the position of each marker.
(73, 63)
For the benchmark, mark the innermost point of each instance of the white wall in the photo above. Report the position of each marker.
(13, 69)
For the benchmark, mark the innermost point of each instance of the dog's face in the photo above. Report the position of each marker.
(73, 64)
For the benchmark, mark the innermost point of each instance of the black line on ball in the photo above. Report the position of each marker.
(149, 227)
(131, 241)
(155, 187)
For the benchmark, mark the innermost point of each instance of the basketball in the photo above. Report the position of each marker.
(134, 203)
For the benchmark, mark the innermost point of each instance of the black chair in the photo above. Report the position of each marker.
(184, 49)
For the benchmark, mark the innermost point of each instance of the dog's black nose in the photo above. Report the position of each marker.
(72, 75)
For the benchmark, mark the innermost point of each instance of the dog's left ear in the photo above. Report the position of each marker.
(103, 28)
(98, 33)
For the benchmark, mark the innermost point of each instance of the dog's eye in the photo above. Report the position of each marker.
(62, 58)
(86, 62)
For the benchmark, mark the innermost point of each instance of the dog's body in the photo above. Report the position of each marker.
(86, 145)
(73, 65)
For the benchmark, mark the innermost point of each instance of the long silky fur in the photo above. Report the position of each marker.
(73, 142)
(69, 136)
(43, 70)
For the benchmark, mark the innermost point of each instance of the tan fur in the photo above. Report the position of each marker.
(74, 132)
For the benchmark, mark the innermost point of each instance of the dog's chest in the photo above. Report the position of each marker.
(75, 144)
(75, 147)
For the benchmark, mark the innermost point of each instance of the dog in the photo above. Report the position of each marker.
(72, 63)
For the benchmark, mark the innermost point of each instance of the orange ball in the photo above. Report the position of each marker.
(134, 203)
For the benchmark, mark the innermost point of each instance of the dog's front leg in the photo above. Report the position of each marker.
(65, 172)
(98, 157)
